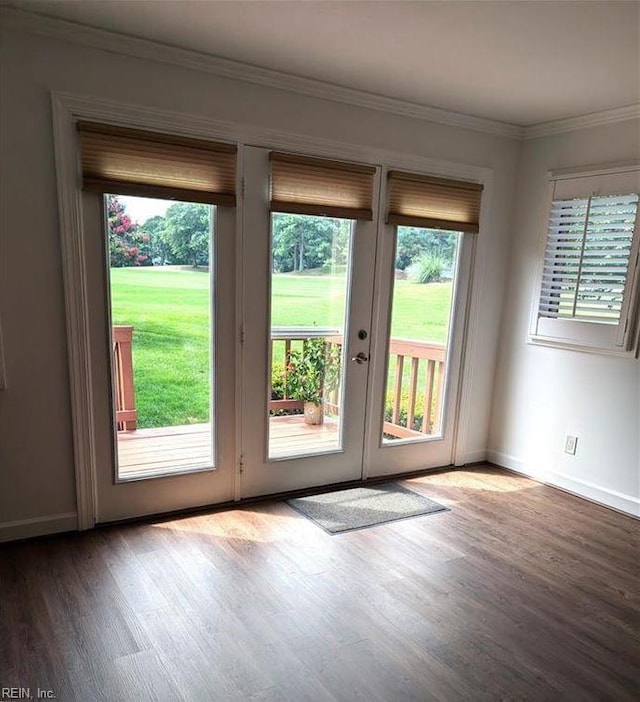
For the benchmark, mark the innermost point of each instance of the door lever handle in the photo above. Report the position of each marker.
(360, 358)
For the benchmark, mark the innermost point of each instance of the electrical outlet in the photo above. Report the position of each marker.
(570, 444)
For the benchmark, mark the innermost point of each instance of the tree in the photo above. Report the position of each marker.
(186, 233)
(340, 243)
(160, 251)
(414, 243)
(303, 242)
(128, 246)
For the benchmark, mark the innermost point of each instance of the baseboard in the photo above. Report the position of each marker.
(621, 502)
(627, 504)
(38, 526)
(472, 457)
(505, 460)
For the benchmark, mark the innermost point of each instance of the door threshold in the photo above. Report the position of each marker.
(303, 492)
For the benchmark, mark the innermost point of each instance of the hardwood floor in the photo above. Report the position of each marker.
(145, 451)
(521, 592)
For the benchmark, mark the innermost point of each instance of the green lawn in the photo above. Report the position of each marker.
(168, 309)
(421, 311)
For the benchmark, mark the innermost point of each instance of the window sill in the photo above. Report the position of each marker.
(585, 348)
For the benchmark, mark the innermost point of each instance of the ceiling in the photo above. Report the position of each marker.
(516, 61)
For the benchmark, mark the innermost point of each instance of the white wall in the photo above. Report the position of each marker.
(543, 394)
(36, 461)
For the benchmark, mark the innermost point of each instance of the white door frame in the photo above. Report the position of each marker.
(260, 473)
(401, 456)
(121, 497)
(67, 109)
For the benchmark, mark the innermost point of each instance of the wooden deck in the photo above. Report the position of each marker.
(290, 436)
(147, 451)
(418, 369)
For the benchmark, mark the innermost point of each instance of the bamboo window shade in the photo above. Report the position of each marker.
(134, 162)
(435, 203)
(316, 186)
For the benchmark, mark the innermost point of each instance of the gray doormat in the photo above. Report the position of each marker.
(362, 507)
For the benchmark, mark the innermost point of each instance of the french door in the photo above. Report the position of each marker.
(289, 316)
(163, 353)
(417, 353)
(266, 351)
(389, 335)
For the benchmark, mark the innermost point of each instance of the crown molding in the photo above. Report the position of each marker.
(114, 42)
(571, 124)
(35, 23)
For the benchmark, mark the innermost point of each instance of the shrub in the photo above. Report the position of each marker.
(313, 371)
(403, 413)
(278, 387)
(403, 416)
(277, 381)
(427, 268)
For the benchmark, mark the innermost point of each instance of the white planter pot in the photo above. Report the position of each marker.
(313, 413)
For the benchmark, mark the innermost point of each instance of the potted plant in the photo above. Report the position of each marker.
(312, 373)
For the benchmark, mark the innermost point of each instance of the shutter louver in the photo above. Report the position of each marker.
(134, 162)
(434, 203)
(587, 258)
(315, 186)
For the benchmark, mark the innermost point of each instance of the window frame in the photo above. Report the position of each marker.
(574, 334)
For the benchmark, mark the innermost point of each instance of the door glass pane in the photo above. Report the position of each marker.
(310, 281)
(421, 320)
(160, 258)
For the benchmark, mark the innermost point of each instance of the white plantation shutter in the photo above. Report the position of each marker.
(587, 290)
(587, 258)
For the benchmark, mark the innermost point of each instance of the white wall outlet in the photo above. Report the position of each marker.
(570, 444)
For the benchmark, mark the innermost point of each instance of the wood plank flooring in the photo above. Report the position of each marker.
(159, 450)
(521, 592)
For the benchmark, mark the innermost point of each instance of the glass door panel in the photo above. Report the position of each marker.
(420, 333)
(310, 283)
(161, 281)
(307, 300)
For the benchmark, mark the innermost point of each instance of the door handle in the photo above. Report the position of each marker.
(360, 358)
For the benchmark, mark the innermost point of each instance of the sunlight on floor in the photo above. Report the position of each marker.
(479, 479)
(259, 527)
(269, 524)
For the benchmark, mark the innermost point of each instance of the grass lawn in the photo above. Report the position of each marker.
(168, 309)
(421, 311)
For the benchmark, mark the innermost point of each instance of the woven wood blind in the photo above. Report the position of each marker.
(436, 203)
(315, 186)
(133, 162)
